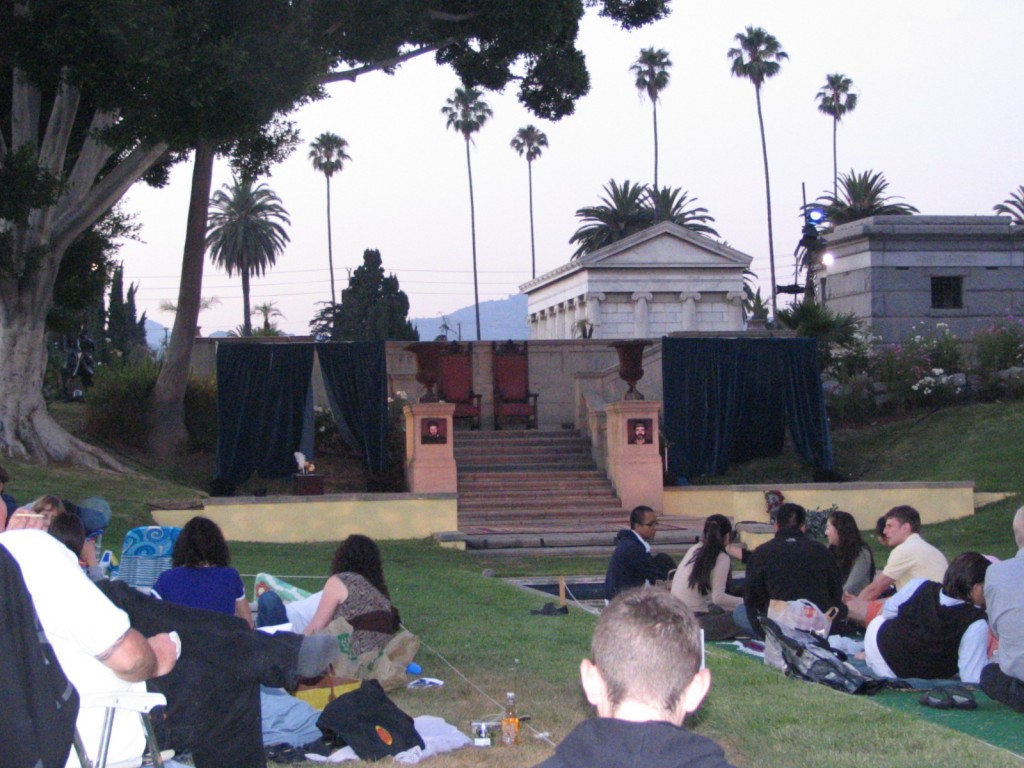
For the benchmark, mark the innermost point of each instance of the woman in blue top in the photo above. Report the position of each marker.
(201, 576)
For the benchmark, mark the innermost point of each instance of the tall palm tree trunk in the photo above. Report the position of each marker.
(472, 230)
(247, 322)
(835, 158)
(768, 198)
(330, 248)
(533, 249)
(654, 108)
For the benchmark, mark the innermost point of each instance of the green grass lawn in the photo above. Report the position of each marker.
(479, 637)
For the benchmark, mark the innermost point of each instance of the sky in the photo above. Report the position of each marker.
(938, 114)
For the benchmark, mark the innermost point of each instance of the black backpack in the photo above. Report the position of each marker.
(808, 658)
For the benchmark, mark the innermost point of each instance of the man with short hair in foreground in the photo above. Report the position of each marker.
(644, 677)
(1004, 596)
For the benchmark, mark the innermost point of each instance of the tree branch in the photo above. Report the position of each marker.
(73, 217)
(352, 74)
(58, 130)
(25, 100)
(453, 17)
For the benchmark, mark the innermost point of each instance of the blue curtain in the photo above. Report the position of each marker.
(732, 399)
(264, 402)
(355, 376)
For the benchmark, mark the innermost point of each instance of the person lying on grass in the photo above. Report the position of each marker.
(932, 632)
(644, 677)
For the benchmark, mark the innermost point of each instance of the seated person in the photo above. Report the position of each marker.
(701, 580)
(791, 566)
(201, 576)
(856, 563)
(645, 676)
(933, 632)
(8, 500)
(94, 520)
(1004, 599)
(911, 558)
(356, 591)
(632, 564)
(96, 646)
(70, 532)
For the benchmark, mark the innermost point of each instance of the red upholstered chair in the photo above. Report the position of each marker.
(455, 382)
(513, 400)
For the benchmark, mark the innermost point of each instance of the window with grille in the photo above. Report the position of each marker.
(947, 293)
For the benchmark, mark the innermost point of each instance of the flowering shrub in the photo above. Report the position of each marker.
(1000, 346)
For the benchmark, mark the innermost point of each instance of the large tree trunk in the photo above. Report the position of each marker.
(167, 433)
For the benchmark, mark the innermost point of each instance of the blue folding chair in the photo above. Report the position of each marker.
(146, 554)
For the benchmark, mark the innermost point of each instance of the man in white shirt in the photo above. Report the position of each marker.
(96, 647)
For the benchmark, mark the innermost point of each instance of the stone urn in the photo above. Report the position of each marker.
(631, 365)
(428, 356)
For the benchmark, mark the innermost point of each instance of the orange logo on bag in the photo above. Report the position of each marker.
(384, 735)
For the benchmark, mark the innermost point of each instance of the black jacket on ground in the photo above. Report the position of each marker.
(631, 565)
(604, 742)
(213, 692)
(790, 567)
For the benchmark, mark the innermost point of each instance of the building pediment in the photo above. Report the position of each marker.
(665, 246)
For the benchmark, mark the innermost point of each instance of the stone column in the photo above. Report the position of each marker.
(634, 468)
(640, 312)
(594, 300)
(734, 312)
(430, 458)
(689, 319)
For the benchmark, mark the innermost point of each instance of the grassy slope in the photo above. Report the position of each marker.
(483, 627)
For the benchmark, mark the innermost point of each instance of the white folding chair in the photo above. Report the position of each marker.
(132, 701)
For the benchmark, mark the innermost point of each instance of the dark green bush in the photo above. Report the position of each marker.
(117, 406)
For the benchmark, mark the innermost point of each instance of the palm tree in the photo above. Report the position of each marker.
(327, 152)
(246, 233)
(651, 71)
(268, 309)
(758, 58)
(530, 141)
(628, 208)
(467, 112)
(835, 99)
(1013, 206)
(862, 195)
(205, 302)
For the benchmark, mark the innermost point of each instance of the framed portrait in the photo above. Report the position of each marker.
(639, 431)
(434, 432)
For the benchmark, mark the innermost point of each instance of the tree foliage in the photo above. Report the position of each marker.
(126, 332)
(372, 308)
(862, 195)
(629, 208)
(1013, 206)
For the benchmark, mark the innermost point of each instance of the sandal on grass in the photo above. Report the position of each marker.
(962, 698)
(937, 698)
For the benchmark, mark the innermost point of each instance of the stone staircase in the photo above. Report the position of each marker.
(528, 489)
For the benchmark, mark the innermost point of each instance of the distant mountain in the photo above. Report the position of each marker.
(499, 320)
(155, 334)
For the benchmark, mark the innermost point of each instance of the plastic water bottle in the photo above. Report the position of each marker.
(510, 721)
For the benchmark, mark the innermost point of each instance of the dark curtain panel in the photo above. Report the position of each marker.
(806, 415)
(355, 376)
(732, 399)
(263, 400)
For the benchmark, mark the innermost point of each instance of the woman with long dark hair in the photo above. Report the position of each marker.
(856, 562)
(201, 575)
(357, 592)
(700, 582)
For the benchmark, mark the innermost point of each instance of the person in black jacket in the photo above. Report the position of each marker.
(645, 676)
(632, 564)
(789, 567)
